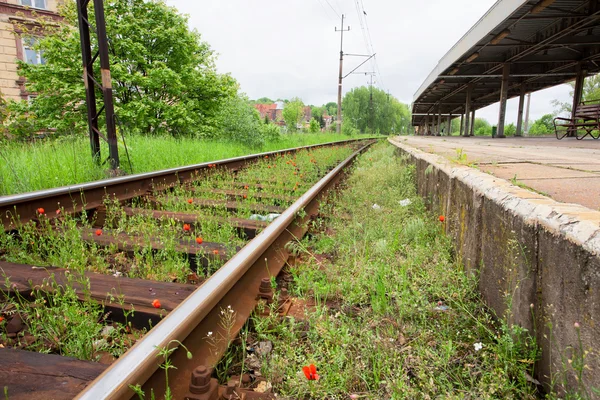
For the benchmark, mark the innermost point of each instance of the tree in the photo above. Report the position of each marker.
(591, 91)
(542, 126)
(481, 127)
(263, 100)
(314, 126)
(331, 108)
(317, 113)
(164, 76)
(387, 115)
(293, 111)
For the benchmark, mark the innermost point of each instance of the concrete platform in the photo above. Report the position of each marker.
(566, 170)
(537, 259)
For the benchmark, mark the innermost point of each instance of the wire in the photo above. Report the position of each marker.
(370, 40)
(327, 10)
(334, 10)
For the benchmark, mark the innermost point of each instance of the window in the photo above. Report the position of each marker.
(34, 3)
(32, 55)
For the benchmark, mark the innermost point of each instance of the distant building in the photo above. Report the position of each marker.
(13, 47)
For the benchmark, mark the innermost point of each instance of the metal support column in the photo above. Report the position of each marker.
(519, 132)
(439, 121)
(472, 132)
(468, 109)
(578, 93)
(91, 83)
(503, 98)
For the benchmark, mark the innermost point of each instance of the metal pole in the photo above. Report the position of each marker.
(519, 132)
(503, 98)
(88, 77)
(468, 109)
(577, 94)
(527, 114)
(439, 121)
(111, 132)
(339, 102)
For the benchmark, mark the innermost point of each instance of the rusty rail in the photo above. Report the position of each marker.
(236, 284)
(20, 208)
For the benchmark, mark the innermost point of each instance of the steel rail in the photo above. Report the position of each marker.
(18, 209)
(235, 283)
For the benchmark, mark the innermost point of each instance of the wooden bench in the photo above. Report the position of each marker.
(586, 121)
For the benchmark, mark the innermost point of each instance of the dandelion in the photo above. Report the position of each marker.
(478, 346)
(186, 227)
(40, 210)
(442, 218)
(199, 240)
(311, 372)
(98, 232)
(156, 303)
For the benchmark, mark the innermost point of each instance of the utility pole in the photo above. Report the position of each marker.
(372, 114)
(339, 102)
(526, 130)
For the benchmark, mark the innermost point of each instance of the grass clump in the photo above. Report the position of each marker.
(390, 313)
(44, 164)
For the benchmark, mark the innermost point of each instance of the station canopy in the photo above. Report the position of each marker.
(545, 43)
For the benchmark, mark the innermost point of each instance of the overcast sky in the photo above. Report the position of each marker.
(288, 48)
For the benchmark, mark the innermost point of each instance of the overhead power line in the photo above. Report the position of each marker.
(334, 10)
(362, 15)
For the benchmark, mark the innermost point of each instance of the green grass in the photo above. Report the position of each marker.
(58, 322)
(44, 164)
(391, 314)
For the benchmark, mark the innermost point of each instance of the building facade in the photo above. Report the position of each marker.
(13, 47)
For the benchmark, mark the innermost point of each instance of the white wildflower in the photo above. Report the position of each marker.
(209, 334)
(478, 346)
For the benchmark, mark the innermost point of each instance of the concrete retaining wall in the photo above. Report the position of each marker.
(539, 257)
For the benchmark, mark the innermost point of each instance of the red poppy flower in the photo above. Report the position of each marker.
(190, 201)
(186, 227)
(57, 212)
(1, 319)
(442, 218)
(245, 196)
(40, 210)
(216, 252)
(199, 240)
(311, 372)
(246, 187)
(155, 303)
(266, 156)
(98, 232)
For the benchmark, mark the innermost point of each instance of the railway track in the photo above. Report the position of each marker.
(173, 249)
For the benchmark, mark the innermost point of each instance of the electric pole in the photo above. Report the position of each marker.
(371, 110)
(339, 102)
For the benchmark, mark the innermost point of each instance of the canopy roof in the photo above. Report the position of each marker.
(543, 40)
